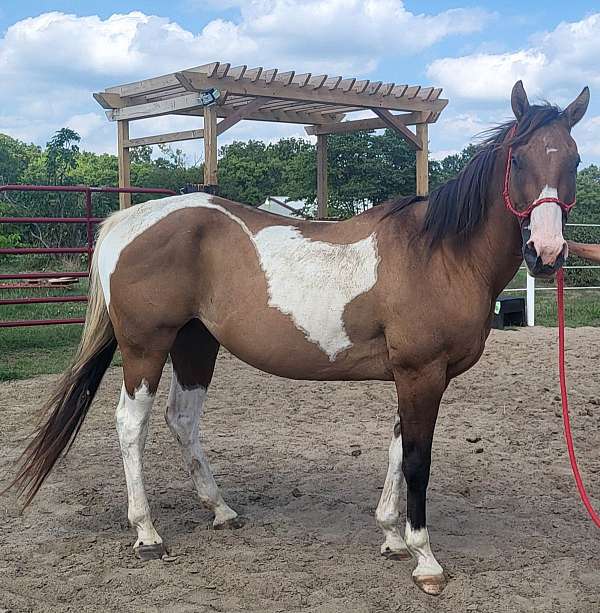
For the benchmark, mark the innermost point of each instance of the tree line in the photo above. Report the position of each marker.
(364, 168)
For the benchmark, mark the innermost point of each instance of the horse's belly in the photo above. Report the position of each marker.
(280, 348)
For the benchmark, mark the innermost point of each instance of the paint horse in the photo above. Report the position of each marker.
(403, 292)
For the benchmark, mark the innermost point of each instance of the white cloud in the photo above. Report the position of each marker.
(50, 64)
(555, 63)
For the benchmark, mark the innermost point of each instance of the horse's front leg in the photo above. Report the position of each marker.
(419, 396)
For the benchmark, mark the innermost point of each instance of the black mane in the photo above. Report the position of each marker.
(459, 206)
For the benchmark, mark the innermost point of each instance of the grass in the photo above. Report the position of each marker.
(27, 352)
(38, 350)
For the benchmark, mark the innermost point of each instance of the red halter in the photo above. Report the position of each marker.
(506, 193)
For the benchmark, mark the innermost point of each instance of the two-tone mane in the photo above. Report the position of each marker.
(459, 206)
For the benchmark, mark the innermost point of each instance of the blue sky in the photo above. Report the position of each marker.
(54, 54)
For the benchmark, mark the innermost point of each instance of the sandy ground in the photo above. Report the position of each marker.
(504, 516)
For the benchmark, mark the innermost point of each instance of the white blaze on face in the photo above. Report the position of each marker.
(546, 228)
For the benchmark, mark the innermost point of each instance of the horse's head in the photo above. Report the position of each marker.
(541, 172)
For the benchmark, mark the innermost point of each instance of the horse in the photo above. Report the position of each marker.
(403, 292)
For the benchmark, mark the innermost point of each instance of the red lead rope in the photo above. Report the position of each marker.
(560, 284)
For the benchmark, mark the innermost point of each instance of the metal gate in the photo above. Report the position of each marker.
(88, 219)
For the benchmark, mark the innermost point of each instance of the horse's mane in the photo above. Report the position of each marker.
(460, 205)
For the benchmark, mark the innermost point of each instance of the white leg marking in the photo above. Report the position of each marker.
(546, 227)
(132, 425)
(417, 542)
(183, 416)
(314, 281)
(388, 509)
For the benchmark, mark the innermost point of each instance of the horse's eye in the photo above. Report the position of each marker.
(516, 161)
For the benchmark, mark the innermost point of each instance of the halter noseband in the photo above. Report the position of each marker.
(506, 193)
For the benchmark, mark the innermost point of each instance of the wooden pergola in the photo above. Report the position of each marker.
(325, 105)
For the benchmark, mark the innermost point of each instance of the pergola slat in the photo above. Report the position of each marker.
(317, 81)
(412, 91)
(301, 79)
(360, 86)
(285, 77)
(332, 82)
(398, 90)
(222, 70)
(347, 84)
(253, 74)
(268, 75)
(237, 73)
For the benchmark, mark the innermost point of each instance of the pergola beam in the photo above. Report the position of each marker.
(238, 114)
(155, 109)
(276, 116)
(371, 123)
(169, 137)
(392, 122)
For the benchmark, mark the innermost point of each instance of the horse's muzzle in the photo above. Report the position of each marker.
(534, 263)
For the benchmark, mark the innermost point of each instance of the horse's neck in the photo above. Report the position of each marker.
(496, 247)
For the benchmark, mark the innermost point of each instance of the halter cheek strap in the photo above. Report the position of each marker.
(506, 192)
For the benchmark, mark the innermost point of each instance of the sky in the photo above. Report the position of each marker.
(54, 55)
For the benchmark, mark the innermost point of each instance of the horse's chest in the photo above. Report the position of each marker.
(312, 282)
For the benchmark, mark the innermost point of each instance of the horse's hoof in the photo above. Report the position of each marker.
(398, 556)
(233, 523)
(431, 584)
(150, 552)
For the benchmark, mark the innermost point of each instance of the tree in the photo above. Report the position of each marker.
(441, 171)
(61, 155)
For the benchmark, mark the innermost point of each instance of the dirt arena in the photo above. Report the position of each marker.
(305, 463)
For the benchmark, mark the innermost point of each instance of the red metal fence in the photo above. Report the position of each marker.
(89, 220)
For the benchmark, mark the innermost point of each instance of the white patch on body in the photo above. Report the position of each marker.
(184, 412)
(313, 281)
(388, 509)
(550, 150)
(417, 542)
(132, 426)
(545, 224)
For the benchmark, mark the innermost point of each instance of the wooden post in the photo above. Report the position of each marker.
(322, 209)
(210, 149)
(124, 165)
(423, 161)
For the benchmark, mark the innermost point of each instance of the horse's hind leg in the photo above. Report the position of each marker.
(142, 371)
(194, 354)
(388, 509)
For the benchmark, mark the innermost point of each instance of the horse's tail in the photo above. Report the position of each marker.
(64, 412)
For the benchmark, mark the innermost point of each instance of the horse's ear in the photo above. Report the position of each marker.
(576, 110)
(518, 100)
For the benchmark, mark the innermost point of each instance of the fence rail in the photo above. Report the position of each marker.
(88, 219)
